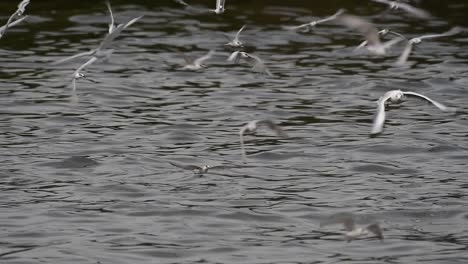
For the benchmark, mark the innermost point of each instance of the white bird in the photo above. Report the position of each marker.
(197, 64)
(397, 96)
(252, 126)
(406, 7)
(352, 230)
(316, 22)
(219, 7)
(235, 42)
(11, 20)
(382, 33)
(409, 46)
(257, 64)
(370, 32)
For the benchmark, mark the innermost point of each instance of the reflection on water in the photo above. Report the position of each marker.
(87, 178)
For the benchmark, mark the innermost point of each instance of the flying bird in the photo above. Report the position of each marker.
(235, 42)
(257, 64)
(16, 15)
(252, 126)
(314, 23)
(414, 41)
(197, 64)
(397, 96)
(417, 12)
(370, 32)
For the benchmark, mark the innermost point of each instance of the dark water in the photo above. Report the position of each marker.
(87, 179)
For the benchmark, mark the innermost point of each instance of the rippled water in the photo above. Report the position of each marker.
(87, 178)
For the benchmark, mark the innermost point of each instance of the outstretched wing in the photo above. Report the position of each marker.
(437, 104)
(332, 17)
(366, 28)
(376, 230)
(204, 58)
(86, 53)
(238, 33)
(379, 118)
(405, 54)
(273, 127)
(184, 166)
(452, 31)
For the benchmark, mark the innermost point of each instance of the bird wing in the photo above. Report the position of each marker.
(116, 32)
(332, 17)
(274, 127)
(241, 133)
(405, 54)
(348, 224)
(437, 104)
(112, 23)
(296, 27)
(413, 10)
(376, 230)
(360, 46)
(86, 53)
(22, 6)
(233, 56)
(84, 65)
(379, 118)
(5, 27)
(184, 166)
(452, 31)
(366, 28)
(392, 42)
(238, 33)
(204, 58)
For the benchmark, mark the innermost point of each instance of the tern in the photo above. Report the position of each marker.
(312, 24)
(406, 7)
(409, 46)
(252, 126)
(194, 65)
(257, 64)
(17, 14)
(352, 230)
(370, 32)
(235, 42)
(397, 96)
(382, 33)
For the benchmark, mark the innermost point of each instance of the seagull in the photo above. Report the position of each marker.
(406, 7)
(409, 46)
(194, 65)
(382, 33)
(397, 96)
(235, 42)
(370, 32)
(352, 230)
(257, 64)
(316, 22)
(252, 126)
(18, 13)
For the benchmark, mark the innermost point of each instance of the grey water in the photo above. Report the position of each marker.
(86, 178)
